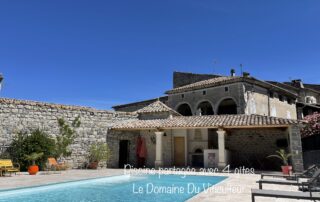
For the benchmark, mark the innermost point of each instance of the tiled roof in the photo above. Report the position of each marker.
(227, 80)
(204, 84)
(143, 102)
(212, 121)
(155, 107)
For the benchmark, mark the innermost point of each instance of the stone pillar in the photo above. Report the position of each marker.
(221, 147)
(295, 148)
(159, 159)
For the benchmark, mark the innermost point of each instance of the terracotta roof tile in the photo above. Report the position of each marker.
(212, 121)
(227, 80)
(155, 107)
(203, 84)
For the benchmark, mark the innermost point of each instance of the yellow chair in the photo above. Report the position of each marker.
(52, 162)
(6, 166)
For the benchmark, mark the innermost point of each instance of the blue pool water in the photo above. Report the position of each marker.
(147, 188)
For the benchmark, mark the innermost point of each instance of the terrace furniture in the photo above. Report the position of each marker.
(54, 165)
(307, 174)
(6, 166)
(314, 179)
(284, 194)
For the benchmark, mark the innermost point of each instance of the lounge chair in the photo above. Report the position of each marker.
(307, 174)
(284, 194)
(6, 166)
(315, 178)
(54, 165)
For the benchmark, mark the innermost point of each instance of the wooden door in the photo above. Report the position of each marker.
(179, 151)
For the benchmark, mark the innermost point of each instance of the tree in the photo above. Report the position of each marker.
(66, 137)
(312, 127)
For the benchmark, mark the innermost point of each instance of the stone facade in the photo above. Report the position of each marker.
(17, 115)
(296, 147)
(184, 78)
(212, 95)
(257, 100)
(114, 138)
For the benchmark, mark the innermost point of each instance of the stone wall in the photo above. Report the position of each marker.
(114, 138)
(131, 107)
(185, 78)
(250, 147)
(296, 148)
(17, 115)
(213, 95)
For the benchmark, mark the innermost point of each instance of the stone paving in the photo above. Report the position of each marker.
(236, 188)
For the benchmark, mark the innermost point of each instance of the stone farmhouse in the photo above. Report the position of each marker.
(212, 120)
(204, 121)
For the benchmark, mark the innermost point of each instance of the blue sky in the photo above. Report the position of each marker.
(103, 53)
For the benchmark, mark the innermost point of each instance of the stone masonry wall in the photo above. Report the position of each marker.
(113, 138)
(296, 148)
(250, 147)
(17, 115)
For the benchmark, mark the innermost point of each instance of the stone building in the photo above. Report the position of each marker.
(236, 120)
(204, 121)
(208, 94)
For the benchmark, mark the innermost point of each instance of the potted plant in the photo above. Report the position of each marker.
(98, 152)
(284, 156)
(33, 168)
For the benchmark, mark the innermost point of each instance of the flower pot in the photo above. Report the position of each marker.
(32, 170)
(93, 165)
(286, 169)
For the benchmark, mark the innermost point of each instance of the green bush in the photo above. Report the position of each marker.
(67, 134)
(37, 142)
(99, 152)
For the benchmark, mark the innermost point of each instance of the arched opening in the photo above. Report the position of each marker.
(205, 108)
(184, 110)
(198, 151)
(227, 106)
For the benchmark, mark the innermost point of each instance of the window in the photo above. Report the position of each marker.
(204, 92)
(182, 95)
(226, 89)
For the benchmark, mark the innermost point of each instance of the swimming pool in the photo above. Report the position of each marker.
(117, 188)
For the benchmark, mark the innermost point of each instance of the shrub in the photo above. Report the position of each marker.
(37, 142)
(99, 152)
(313, 125)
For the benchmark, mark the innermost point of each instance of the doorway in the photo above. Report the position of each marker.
(179, 151)
(123, 153)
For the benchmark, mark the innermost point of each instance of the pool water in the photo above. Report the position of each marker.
(147, 188)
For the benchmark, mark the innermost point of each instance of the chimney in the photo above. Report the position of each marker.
(233, 72)
(297, 83)
(246, 74)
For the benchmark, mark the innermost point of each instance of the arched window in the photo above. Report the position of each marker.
(184, 110)
(205, 108)
(198, 151)
(227, 106)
